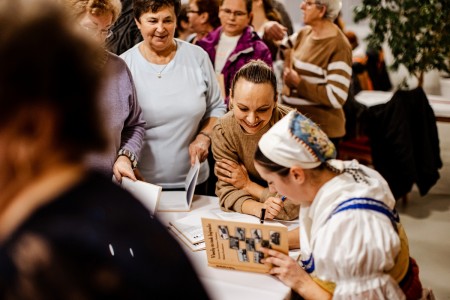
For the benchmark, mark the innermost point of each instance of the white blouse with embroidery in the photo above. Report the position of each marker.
(354, 248)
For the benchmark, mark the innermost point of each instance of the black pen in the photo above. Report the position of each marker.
(263, 214)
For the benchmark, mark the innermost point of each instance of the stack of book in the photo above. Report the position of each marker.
(189, 231)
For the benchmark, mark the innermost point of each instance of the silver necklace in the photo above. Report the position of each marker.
(158, 73)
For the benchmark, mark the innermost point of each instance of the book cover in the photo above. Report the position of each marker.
(236, 245)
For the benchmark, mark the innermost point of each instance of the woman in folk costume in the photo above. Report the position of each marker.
(352, 243)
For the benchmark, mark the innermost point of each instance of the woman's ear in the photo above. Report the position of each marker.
(138, 24)
(184, 25)
(204, 17)
(250, 18)
(323, 11)
(297, 174)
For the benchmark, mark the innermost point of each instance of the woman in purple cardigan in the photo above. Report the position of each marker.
(119, 107)
(234, 43)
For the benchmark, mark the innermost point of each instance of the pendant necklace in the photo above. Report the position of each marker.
(158, 74)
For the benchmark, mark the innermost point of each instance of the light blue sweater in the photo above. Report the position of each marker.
(174, 106)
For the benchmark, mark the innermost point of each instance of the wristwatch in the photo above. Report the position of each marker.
(130, 155)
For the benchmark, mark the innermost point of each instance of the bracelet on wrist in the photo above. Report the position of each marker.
(130, 155)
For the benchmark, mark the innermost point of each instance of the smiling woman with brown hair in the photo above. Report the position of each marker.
(254, 109)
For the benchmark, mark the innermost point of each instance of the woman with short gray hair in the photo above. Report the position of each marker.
(119, 107)
(317, 69)
(333, 8)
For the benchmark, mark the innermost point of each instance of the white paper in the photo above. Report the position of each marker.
(181, 200)
(190, 226)
(148, 194)
(193, 246)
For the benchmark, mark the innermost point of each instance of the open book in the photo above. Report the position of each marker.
(181, 200)
(237, 245)
(149, 194)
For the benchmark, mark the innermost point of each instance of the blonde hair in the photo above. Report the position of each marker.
(95, 7)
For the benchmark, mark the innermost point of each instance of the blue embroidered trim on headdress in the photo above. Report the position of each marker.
(307, 132)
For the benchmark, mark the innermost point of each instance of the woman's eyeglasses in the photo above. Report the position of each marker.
(311, 3)
(105, 33)
(236, 13)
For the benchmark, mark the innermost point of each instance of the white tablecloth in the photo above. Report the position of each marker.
(224, 284)
(439, 104)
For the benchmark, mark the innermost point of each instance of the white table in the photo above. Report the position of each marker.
(439, 104)
(227, 284)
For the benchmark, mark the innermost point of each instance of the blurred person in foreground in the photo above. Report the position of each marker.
(120, 108)
(66, 232)
(352, 244)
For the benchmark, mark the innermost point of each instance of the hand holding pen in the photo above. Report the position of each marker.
(273, 206)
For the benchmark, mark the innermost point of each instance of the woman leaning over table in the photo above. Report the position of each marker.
(352, 243)
(234, 43)
(254, 109)
(179, 95)
(318, 69)
(120, 108)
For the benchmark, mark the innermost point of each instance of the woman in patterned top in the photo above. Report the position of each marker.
(318, 67)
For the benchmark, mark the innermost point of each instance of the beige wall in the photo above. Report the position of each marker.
(293, 7)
